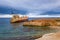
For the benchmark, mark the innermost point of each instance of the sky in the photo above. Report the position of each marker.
(31, 7)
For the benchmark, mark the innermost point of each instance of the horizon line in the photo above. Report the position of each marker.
(30, 16)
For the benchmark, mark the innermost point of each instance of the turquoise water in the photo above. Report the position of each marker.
(18, 30)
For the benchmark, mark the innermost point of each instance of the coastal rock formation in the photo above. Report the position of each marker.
(16, 19)
(41, 22)
(50, 36)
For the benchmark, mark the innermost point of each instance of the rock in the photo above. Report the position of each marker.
(36, 36)
(16, 19)
(50, 36)
(41, 22)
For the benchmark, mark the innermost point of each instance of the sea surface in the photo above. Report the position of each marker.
(15, 31)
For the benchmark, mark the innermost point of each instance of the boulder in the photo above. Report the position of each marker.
(16, 19)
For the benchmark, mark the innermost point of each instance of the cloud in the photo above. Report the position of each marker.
(34, 7)
(31, 4)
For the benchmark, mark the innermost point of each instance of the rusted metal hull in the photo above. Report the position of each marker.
(18, 21)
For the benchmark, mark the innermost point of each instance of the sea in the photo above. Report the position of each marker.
(16, 31)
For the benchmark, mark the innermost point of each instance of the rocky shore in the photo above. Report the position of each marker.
(42, 22)
(50, 36)
(52, 23)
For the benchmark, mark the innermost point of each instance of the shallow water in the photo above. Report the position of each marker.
(18, 30)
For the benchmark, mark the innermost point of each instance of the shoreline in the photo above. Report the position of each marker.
(50, 36)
